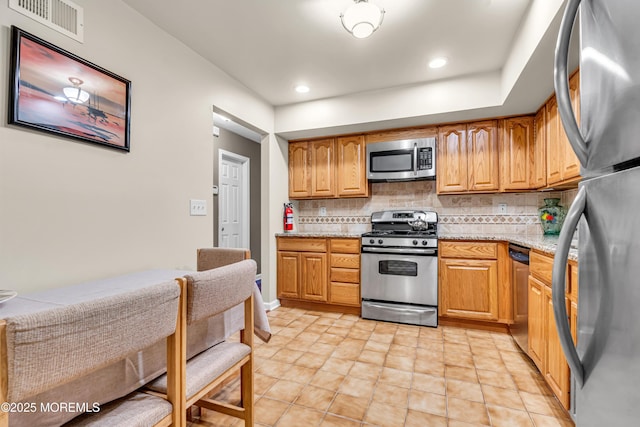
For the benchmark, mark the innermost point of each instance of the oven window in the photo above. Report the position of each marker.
(398, 268)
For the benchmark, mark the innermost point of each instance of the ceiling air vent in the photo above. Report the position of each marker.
(65, 16)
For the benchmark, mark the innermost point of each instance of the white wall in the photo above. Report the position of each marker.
(71, 211)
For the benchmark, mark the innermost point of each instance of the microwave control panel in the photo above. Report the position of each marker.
(425, 158)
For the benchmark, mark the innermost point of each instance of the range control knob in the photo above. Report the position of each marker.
(425, 242)
(380, 241)
(415, 242)
(372, 241)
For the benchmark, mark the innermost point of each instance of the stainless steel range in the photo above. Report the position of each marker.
(399, 267)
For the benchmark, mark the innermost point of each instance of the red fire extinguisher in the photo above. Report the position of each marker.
(288, 217)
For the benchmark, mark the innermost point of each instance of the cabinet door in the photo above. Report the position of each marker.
(451, 165)
(539, 168)
(351, 167)
(469, 288)
(299, 168)
(314, 276)
(288, 274)
(482, 152)
(570, 163)
(554, 151)
(322, 168)
(517, 150)
(536, 322)
(556, 370)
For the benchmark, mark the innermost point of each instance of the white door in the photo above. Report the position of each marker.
(233, 200)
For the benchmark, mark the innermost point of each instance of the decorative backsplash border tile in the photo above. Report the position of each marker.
(489, 219)
(334, 220)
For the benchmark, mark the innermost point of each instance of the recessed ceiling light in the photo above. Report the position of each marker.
(302, 89)
(438, 62)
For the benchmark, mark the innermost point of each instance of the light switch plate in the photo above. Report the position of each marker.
(198, 207)
(502, 208)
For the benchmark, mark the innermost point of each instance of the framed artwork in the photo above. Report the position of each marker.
(55, 91)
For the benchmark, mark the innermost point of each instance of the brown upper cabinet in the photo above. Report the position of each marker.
(328, 168)
(299, 170)
(562, 164)
(517, 154)
(489, 156)
(539, 170)
(468, 158)
(323, 182)
(351, 167)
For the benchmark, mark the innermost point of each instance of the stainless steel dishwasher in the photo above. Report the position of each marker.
(520, 279)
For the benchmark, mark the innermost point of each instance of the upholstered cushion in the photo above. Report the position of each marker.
(210, 258)
(134, 410)
(206, 367)
(213, 291)
(49, 348)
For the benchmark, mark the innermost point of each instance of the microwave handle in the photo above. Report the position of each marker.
(415, 158)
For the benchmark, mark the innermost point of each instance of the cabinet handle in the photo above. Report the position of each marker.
(561, 83)
(558, 284)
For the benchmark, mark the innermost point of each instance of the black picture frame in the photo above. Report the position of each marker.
(55, 91)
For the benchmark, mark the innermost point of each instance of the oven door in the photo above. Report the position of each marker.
(400, 278)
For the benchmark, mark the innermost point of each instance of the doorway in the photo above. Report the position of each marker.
(233, 200)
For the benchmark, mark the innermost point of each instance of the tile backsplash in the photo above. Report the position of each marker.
(469, 213)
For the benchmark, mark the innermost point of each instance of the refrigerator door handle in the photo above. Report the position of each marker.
(558, 285)
(561, 83)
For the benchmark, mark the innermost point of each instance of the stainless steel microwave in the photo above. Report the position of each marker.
(403, 160)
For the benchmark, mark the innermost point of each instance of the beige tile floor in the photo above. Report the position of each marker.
(330, 369)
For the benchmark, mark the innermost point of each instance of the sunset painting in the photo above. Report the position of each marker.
(55, 91)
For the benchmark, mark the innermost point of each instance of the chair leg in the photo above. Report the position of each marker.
(246, 387)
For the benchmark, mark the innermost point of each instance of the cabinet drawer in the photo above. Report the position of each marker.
(345, 260)
(301, 244)
(541, 266)
(345, 246)
(472, 250)
(348, 275)
(345, 293)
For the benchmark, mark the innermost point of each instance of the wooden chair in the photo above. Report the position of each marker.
(46, 349)
(209, 293)
(210, 258)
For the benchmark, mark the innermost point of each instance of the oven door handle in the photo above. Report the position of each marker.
(401, 251)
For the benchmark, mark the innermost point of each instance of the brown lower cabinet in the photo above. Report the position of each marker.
(473, 283)
(319, 273)
(544, 344)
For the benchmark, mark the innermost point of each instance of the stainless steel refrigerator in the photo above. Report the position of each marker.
(605, 365)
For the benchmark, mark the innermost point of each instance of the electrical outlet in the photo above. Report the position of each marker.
(323, 211)
(198, 207)
(502, 208)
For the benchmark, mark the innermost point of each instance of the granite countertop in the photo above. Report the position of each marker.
(336, 234)
(542, 243)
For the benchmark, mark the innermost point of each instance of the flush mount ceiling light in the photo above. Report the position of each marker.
(74, 93)
(438, 62)
(362, 18)
(302, 89)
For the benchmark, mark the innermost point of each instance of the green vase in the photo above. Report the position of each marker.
(551, 216)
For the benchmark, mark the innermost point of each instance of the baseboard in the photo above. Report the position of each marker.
(269, 306)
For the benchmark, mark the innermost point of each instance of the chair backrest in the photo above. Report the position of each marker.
(211, 292)
(210, 258)
(49, 348)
